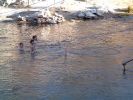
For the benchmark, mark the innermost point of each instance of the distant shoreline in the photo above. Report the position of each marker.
(68, 9)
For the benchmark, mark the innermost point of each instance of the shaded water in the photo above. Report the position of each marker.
(74, 61)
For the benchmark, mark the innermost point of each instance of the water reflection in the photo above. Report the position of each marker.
(74, 60)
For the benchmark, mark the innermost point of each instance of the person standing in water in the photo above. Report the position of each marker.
(21, 47)
(34, 37)
(32, 46)
(33, 43)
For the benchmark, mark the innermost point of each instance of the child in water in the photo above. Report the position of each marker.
(21, 46)
(32, 46)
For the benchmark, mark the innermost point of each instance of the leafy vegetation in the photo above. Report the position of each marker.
(130, 9)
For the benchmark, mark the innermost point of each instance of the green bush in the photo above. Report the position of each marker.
(130, 9)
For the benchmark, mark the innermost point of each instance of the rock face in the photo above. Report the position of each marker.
(42, 17)
(47, 17)
(97, 8)
(90, 13)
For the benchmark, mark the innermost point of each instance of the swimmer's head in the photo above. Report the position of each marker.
(31, 41)
(21, 44)
(34, 37)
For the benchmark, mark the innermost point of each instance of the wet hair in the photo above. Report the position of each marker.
(21, 44)
(34, 37)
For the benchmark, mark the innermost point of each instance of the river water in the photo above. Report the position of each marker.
(78, 60)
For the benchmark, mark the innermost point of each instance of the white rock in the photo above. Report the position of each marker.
(48, 13)
(52, 21)
(55, 18)
(21, 18)
(56, 14)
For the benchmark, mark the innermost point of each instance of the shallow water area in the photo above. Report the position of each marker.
(78, 60)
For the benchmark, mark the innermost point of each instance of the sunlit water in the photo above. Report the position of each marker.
(74, 61)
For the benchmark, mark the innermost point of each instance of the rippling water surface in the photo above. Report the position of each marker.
(74, 61)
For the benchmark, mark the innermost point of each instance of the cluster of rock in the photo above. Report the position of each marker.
(90, 13)
(42, 17)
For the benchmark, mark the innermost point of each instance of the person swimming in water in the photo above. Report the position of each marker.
(21, 47)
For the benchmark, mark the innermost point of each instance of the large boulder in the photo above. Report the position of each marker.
(43, 17)
(89, 15)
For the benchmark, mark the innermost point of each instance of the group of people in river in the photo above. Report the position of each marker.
(33, 43)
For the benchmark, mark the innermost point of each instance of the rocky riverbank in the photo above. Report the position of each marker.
(67, 9)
